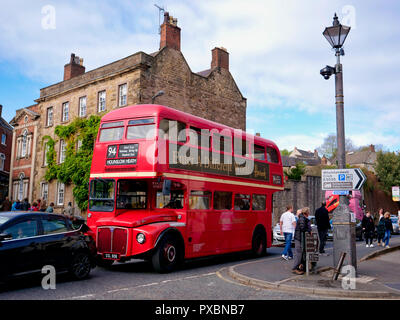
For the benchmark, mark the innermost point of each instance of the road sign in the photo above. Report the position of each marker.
(396, 193)
(343, 179)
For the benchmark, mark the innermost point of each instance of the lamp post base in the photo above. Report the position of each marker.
(344, 235)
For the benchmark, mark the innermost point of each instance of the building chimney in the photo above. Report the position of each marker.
(316, 153)
(1, 110)
(324, 161)
(258, 134)
(372, 148)
(220, 58)
(74, 67)
(170, 33)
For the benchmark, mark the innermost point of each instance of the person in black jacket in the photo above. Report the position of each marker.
(323, 225)
(303, 225)
(368, 227)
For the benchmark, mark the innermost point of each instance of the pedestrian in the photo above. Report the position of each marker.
(380, 228)
(303, 225)
(323, 225)
(388, 229)
(6, 205)
(43, 205)
(34, 207)
(288, 224)
(368, 228)
(25, 205)
(298, 212)
(16, 205)
(50, 208)
(69, 211)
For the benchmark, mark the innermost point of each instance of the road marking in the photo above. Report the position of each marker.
(147, 285)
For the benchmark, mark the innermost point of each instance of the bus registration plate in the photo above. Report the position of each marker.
(112, 256)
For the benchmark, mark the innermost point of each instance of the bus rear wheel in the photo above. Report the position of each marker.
(167, 255)
(259, 243)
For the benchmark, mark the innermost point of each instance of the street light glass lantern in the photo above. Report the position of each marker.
(337, 34)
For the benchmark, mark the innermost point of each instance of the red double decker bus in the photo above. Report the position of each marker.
(167, 186)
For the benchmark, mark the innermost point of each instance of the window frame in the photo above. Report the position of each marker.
(99, 102)
(58, 194)
(49, 120)
(4, 137)
(83, 98)
(63, 151)
(65, 115)
(120, 94)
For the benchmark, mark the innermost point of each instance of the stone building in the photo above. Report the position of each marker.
(24, 146)
(5, 155)
(211, 94)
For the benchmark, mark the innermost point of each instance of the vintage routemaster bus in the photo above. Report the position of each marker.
(167, 186)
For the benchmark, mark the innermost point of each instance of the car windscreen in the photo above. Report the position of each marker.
(4, 219)
(101, 197)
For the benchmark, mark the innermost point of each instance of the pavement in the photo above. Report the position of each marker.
(378, 275)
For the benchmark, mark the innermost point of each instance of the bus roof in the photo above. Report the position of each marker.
(153, 110)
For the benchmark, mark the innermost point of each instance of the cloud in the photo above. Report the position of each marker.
(276, 51)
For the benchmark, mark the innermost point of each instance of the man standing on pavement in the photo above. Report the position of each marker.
(323, 225)
(303, 225)
(287, 224)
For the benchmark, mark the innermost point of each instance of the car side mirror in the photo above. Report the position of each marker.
(5, 236)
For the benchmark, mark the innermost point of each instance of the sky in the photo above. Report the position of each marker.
(276, 50)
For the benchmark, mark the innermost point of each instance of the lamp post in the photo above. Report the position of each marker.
(344, 227)
(159, 93)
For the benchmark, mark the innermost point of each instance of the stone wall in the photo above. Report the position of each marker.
(305, 193)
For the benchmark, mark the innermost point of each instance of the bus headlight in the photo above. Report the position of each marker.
(141, 238)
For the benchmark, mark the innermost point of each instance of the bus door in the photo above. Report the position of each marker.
(199, 224)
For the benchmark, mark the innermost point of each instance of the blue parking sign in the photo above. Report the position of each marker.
(342, 177)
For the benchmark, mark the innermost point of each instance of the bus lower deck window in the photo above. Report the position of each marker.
(222, 200)
(259, 202)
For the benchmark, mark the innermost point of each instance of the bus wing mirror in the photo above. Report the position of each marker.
(166, 190)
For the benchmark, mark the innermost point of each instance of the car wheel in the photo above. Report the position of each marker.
(259, 243)
(81, 266)
(168, 254)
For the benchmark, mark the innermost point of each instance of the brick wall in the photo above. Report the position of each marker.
(300, 194)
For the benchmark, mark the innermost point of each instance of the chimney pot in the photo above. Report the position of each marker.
(372, 148)
(220, 58)
(74, 67)
(170, 33)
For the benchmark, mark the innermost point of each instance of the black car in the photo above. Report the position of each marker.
(31, 240)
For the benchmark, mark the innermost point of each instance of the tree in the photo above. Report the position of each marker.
(284, 152)
(296, 172)
(76, 167)
(329, 146)
(387, 169)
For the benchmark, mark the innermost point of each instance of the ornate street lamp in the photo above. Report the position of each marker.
(337, 34)
(344, 227)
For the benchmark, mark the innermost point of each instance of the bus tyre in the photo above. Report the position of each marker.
(167, 254)
(259, 243)
(80, 266)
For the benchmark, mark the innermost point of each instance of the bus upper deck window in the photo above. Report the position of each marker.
(173, 130)
(272, 155)
(111, 131)
(141, 129)
(259, 152)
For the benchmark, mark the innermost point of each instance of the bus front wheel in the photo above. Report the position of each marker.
(167, 255)
(259, 243)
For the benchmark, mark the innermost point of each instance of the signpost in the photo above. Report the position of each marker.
(312, 244)
(343, 179)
